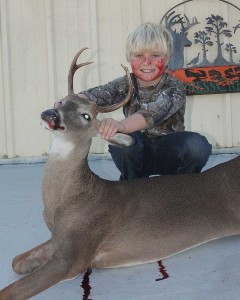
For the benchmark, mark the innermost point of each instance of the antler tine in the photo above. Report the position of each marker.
(73, 68)
(189, 24)
(125, 101)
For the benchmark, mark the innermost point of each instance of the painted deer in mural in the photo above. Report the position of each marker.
(97, 223)
(180, 39)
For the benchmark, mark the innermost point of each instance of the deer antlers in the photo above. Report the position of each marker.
(74, 67)
(184, 21)
(123, 102)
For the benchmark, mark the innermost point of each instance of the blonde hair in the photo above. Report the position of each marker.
(147, 37)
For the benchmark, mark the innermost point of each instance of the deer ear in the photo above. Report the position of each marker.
(121, 140)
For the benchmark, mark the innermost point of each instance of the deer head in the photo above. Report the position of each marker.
(77, 115)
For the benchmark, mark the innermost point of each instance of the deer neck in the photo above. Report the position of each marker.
(63, 149)
(66, 169)
(66, 162)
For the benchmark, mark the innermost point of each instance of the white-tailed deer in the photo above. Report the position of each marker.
(96, 223)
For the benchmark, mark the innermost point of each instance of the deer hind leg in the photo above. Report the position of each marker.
(29, 261)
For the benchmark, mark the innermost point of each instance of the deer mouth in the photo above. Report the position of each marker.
(52, 120)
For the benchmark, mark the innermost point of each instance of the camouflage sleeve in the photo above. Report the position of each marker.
(170, 99)
(110, 93)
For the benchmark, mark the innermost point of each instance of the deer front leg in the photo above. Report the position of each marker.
(65, 263)
(48, 275)
(29, 261)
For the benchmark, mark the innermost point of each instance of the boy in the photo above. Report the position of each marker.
(155, 113)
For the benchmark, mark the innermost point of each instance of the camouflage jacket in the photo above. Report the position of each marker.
(162, 106)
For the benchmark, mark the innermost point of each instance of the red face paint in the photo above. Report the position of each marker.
(148, 67)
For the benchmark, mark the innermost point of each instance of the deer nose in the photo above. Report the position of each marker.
(50, 114)
(54, 114)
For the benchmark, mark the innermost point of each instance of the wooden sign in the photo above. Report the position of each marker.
(209, 80)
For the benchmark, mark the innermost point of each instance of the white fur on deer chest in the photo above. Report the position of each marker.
(61, 147)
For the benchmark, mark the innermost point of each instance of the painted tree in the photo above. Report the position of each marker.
(236, 27)
(231, 49)
(216, 27)
(203, 38)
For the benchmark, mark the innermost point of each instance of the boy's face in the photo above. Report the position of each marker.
(147, 66)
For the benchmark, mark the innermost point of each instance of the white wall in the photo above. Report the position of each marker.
(39, 39)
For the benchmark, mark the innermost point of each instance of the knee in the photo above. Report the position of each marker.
(197, 148)
(200, 146)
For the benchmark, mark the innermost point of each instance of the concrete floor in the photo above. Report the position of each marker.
(210, 271)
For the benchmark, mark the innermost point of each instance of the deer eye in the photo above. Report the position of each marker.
(86, 117)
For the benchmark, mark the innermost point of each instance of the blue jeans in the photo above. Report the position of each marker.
(176, 153)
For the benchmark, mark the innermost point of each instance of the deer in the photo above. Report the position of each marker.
(180, 39)
(99, 223)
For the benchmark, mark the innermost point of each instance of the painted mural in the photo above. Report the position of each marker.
(211, 35)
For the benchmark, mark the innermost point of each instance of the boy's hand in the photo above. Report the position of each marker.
(108, 127)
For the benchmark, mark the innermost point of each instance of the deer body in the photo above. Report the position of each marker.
(97, 223)
(133, 229)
